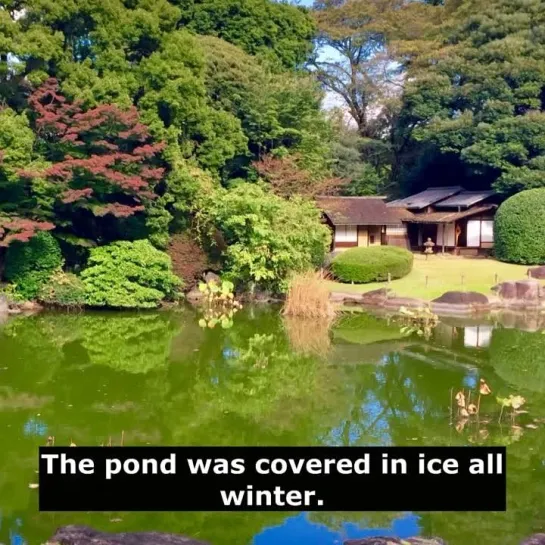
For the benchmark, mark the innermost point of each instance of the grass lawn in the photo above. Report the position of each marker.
(444, 273)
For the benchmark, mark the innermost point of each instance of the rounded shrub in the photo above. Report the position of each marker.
(373, 264)
(29, 265)
(128, 275)
(519, 228)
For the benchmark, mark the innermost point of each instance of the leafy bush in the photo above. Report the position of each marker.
(128, 275)
(519, 229)
(63, 290)
(362, 265)
(29, 265)
(266, 237)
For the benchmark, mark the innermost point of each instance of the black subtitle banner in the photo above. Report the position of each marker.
(272, 479)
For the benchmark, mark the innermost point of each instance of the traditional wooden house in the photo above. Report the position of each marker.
(456, 220)
(362, 221)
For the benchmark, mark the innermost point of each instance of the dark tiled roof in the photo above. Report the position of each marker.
(465, 199)
(402, 213)
(428, 197)
(448, 217)
(358, 211)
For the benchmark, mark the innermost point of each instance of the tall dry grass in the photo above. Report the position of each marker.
(308, 313)
(308, 296)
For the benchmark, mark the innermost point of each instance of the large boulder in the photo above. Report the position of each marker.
(462, 298)
(460, 303)
(537, 272)
(506, 290)
(342, 297)
(528, 290)
(83, 535)
(375, 298)
(211, 276)
(399, 541)
(520, 293)
(194, 296)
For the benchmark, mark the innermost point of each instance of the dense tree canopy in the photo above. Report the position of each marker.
(136, 120)
(480, 95)
(277, 31)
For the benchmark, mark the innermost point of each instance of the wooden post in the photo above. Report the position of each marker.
(427, 278)
(496, 278)
(443, 251)
(462, 279)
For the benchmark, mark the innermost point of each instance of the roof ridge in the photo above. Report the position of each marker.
(351, 196)
(444, 187)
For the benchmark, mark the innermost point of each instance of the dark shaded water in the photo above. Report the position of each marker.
(85, 378)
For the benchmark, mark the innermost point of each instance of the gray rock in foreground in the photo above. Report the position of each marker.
(536, 539)
(395, 541)
(82, 535)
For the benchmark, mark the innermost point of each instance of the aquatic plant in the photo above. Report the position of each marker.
(515, 402)
(219, 304)
(421, 321)
(466, 410)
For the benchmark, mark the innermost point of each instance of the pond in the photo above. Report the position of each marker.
(160, 379)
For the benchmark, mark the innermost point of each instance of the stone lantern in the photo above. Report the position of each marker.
(428, 247)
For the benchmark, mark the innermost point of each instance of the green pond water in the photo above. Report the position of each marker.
(162, 380)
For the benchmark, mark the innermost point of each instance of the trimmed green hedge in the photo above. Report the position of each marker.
(519, 228)
(363, 265)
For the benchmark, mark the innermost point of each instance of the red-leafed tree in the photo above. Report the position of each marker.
(19, 229)
(104, 162)
(287, 178)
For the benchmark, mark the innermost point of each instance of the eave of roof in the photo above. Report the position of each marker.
(448, 217)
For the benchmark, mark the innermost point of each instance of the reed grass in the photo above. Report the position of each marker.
(308, 296)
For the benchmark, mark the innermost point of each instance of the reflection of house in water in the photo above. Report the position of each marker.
(477, 336)
(458, 334)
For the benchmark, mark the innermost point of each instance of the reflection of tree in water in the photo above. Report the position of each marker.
(396, 401)
(257, 389)
(135, 343)
(518, 357)
(247, 386)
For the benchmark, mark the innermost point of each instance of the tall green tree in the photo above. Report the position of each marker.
(480, 97)
(365, 49)
(278, 31)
